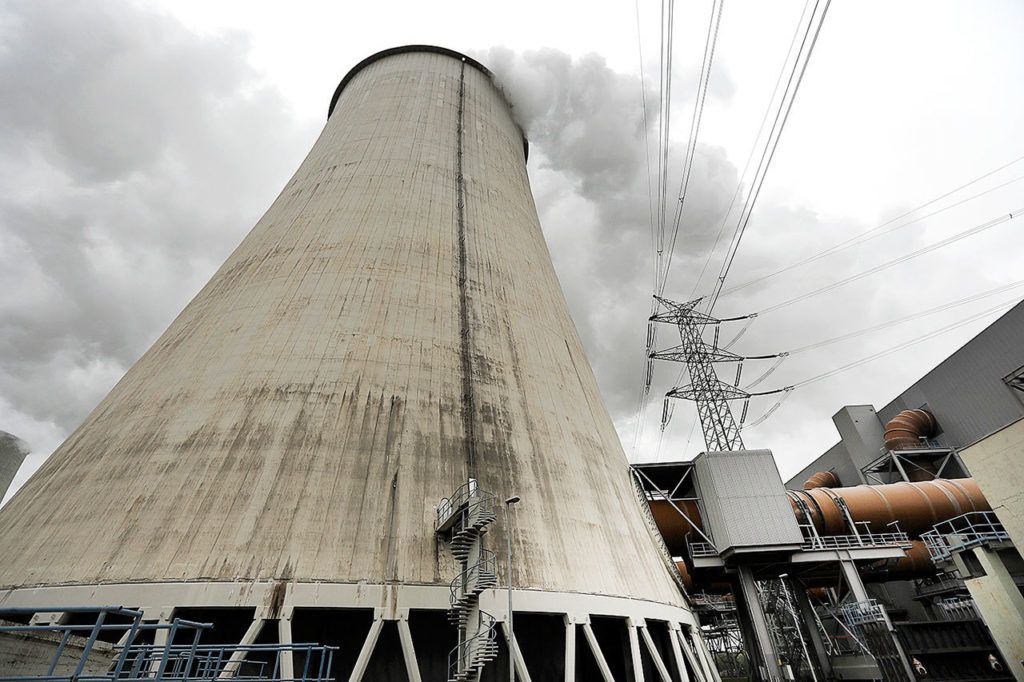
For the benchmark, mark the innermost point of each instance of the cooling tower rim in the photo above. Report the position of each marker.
(404, 49)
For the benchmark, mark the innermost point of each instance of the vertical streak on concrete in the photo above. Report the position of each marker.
(465, 338)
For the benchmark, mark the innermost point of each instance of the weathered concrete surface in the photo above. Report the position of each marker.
(995, 462)
(1001, 606)
(368, 346)
(32, 654)
(12, 454)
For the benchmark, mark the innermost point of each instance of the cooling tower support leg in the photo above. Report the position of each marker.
(803, 603)
(412, 665)
(634, 652)
(762, 644)
(517, 654)
(595, 648)
(255, 628)
(691, 657)
(284, 636)
(570, 649)
(367, 651)
(709, 664)
(674, 633)
(659, 664)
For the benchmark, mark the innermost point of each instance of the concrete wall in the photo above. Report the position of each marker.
(997, 463)
(1001, 606)
(388, 328)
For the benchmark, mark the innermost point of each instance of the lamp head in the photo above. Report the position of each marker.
(512, 500)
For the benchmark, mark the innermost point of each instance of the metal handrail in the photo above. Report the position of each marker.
(865, 540)
(487, 563)
(463, 656)
(462, 496)
(963, 532)
(860, 612)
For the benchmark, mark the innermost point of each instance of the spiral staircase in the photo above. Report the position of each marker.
(462, 520)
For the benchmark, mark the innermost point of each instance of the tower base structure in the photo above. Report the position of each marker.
(403, 630)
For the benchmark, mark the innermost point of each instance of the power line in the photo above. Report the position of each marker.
(647, 139)
(880, 230)
(753, 149)
(907, 344)
(664, 123)
(781, 117)
(908, 318)
(896, 261)
(691, 144)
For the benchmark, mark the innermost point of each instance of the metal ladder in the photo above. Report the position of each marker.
(462, 520)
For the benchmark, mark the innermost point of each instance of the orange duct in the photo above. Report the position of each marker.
(822, 479)
(907, 428)
(916, 507)
(673, 527)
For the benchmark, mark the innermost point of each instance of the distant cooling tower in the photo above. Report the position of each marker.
(389, 331)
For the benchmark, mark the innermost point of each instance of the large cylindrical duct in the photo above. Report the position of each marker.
(392, 327)
(914, 507)
(907, 428)
(822, 479)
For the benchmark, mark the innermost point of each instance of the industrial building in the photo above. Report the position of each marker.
(316, 467)
(372, 448)
(892, 555)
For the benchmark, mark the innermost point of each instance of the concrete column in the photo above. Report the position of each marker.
(238, 657)
(803, 604)
(412, 664)
(758, 625)
(1001, 606)
(369, 644)
(570, 649)
(634, 652)
(284, 636)
(652, 649)
(517, 654)
(674, 632)
(595, 648)
(851, 576)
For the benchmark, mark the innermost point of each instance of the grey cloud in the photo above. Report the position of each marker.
(586, 127)
(134, 155)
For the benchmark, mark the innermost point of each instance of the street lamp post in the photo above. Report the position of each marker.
(511, 636)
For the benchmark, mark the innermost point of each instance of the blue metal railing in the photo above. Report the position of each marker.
(170, 661)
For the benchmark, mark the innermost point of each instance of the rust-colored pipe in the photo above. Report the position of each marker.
(915, 506)
(907, 428)
(673, 527)
(822, 479)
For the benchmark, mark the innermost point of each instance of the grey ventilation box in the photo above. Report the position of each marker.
(745, 503)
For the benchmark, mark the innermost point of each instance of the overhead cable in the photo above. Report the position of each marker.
(816, 21)
(902, 259)
(907, 344)
(691, 143)
(909, 318)
(753, 149)
(880, 230)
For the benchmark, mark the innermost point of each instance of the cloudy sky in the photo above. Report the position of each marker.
(140, 141)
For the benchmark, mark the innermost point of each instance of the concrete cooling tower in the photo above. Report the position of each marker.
(320, 446)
